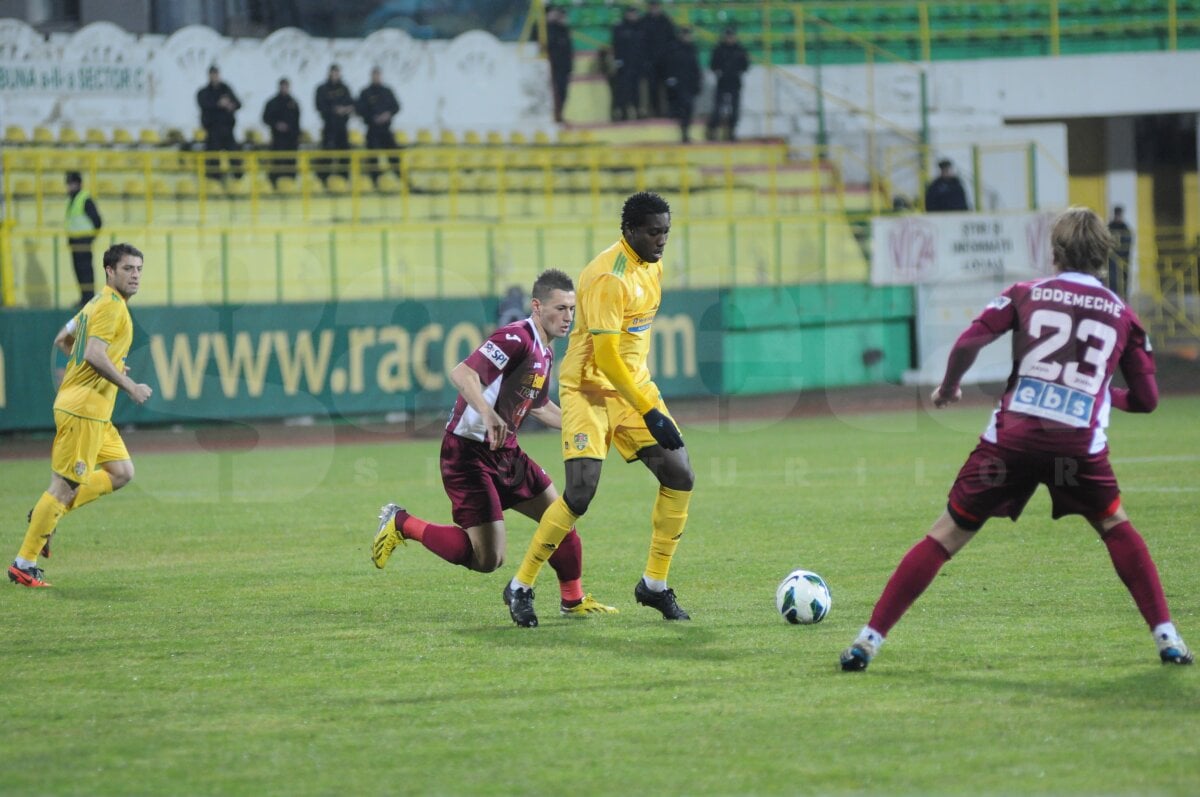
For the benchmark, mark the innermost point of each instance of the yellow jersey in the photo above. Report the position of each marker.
(84, 392)
(617, 294)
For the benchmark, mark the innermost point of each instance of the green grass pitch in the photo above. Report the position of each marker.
(217, 628)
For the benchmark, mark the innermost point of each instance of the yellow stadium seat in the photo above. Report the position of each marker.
(424, 136)
(199, 135)
(15, 134)
(389, 183)
(472, 137)
(53, 185)
(517, 137)
(239, 187)
(447, 137)
(94, 135)
(149, 137)
(287, 186)
(68, 135)
(336, 184)
(214, 188)
(402, 138)
(494, 137)
(175, 136)
(160, 187)
(357, 139)
(24, 186)
(254, 137)
(107, 186)
(306, 137)
(541, 137)
(122, 136)
(42, 135)
(185, 188)
(133, 186)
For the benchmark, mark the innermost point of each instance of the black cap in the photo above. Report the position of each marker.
(945, 163)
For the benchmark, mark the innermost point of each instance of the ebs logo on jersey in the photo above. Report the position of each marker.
(1052, 402)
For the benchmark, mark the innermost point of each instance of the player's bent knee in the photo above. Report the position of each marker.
(487, 562)
(578, 499)
(121, 474)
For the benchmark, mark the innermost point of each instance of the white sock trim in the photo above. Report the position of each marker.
(654, 585)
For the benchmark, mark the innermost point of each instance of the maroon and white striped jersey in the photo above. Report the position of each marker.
(1070, 335)
(514, 367)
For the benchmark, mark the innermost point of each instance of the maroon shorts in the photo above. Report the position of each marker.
(997, 482)
(482, 483)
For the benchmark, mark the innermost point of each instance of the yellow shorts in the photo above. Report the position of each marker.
(81, 444)
(592, 422)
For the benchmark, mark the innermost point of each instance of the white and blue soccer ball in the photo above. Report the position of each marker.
(803, 598)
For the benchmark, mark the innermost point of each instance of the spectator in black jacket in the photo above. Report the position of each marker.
(335, 104)
(281, 115)
(683, 81)
(218, 104)
(658, 34)
(378, 106)
(628, 47)
(561, 54)
(946, 191)
(729, 62)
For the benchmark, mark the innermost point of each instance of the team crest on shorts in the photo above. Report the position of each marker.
(581, 441)
(80, 468)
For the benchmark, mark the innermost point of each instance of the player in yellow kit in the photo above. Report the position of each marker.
(96, 340)
(608, 398)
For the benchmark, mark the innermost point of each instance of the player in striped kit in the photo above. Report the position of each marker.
(484, 470)
(1070, 336)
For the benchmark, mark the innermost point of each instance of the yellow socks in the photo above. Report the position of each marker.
(100, 484)
(46, 514)
(667, 520)
(557, 522)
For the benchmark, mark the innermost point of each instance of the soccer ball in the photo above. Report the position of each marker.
(803, 598)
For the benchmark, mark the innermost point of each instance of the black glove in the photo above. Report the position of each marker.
(664, 430)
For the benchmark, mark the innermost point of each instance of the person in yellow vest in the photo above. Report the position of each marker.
(88, 459)
(83, 222)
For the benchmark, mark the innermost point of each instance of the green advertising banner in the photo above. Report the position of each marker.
(342, 359)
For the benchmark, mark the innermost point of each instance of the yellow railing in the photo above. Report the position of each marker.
(276, 263)
(813, 32)
(451, 183)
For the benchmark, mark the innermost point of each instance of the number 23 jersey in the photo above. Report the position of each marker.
(1070, 335)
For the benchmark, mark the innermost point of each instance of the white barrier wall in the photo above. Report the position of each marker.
(958, 263)
(101, 76)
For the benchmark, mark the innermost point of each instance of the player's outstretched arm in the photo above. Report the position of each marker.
(608, 360)
(962, 357)
(549, 414)
(1140, 396)
(95, 354)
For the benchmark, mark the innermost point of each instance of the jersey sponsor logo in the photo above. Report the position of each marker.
(1052, 402)
(999, 303)
(581, 441)
(640, 324)
(494, 354)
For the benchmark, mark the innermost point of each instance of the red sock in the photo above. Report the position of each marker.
(449, 542)
(567, 562)
(1137, 571)
(913, 575)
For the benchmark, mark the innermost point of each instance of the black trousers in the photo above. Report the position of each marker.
(81, 259)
